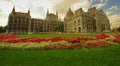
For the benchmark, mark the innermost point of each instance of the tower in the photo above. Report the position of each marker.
(57, 14)
(47, 14)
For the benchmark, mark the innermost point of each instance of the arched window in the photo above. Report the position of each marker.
(75, 29)
(79, 29)
(75, 23)
(11, 19)
(15, 20)
(103, 27)
(78, 21)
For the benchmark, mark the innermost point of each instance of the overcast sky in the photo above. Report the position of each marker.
(38, 8)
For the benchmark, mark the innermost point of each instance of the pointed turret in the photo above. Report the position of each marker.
(28, 11)
(56, 13)
(47, 14)
(47, 11)
(13, 9)
(69, 9)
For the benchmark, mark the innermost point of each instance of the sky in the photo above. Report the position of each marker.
(38, 8)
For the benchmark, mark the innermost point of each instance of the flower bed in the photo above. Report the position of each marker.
(10, 41)
(117, 39)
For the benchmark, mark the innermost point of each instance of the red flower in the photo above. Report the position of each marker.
(78, 45)
(117, 39)
(7, 37)
(73, 40)
(102, 36)
(97, 44)
(47, 47)
(71, 46)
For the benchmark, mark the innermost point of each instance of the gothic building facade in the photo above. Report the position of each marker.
(92, 21)
(20, 23)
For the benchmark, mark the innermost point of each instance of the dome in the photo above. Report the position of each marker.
(69, 13)
(52, 15)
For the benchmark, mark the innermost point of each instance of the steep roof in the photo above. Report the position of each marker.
(69, 13)
(52, 15)
(21, 14)
(92, 10)
(79, 11)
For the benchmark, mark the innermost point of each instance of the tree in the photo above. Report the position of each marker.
(118, 29)
(2, 29)
(59, 28)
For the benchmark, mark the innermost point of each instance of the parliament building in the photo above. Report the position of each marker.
(92, 21)
(22, 23)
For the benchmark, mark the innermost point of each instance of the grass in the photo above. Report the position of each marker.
(58, 35)
(107, 56)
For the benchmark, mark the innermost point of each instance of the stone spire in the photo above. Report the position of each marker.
(69, 9)
(13, 9)
(57, 13)
(47, 11)
(28, 11)
(47, 14)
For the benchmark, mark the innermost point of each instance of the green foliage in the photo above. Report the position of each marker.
(59, 28)
(29, 45)
(2, 29)
(58, 35)
(118, 29)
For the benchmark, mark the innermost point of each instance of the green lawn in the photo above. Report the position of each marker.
(107, 56)
(59, 35)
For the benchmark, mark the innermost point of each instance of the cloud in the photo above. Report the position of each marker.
(115, 20)
(37, 8)
(112, 10)
(0, 10)
(5, 6)
(113, 15)
(63, 5)
(3, 19)
(38, 12)
(101, 4)
(11, 1)
(5, 9)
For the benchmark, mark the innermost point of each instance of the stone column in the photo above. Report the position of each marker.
(16, 26)
(29, 25)
(64, 23)
(12, 24)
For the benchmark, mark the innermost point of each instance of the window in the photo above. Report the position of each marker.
(15, 20)
(103, 27)
(78, 21)
(75, 23)
(75, 29)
